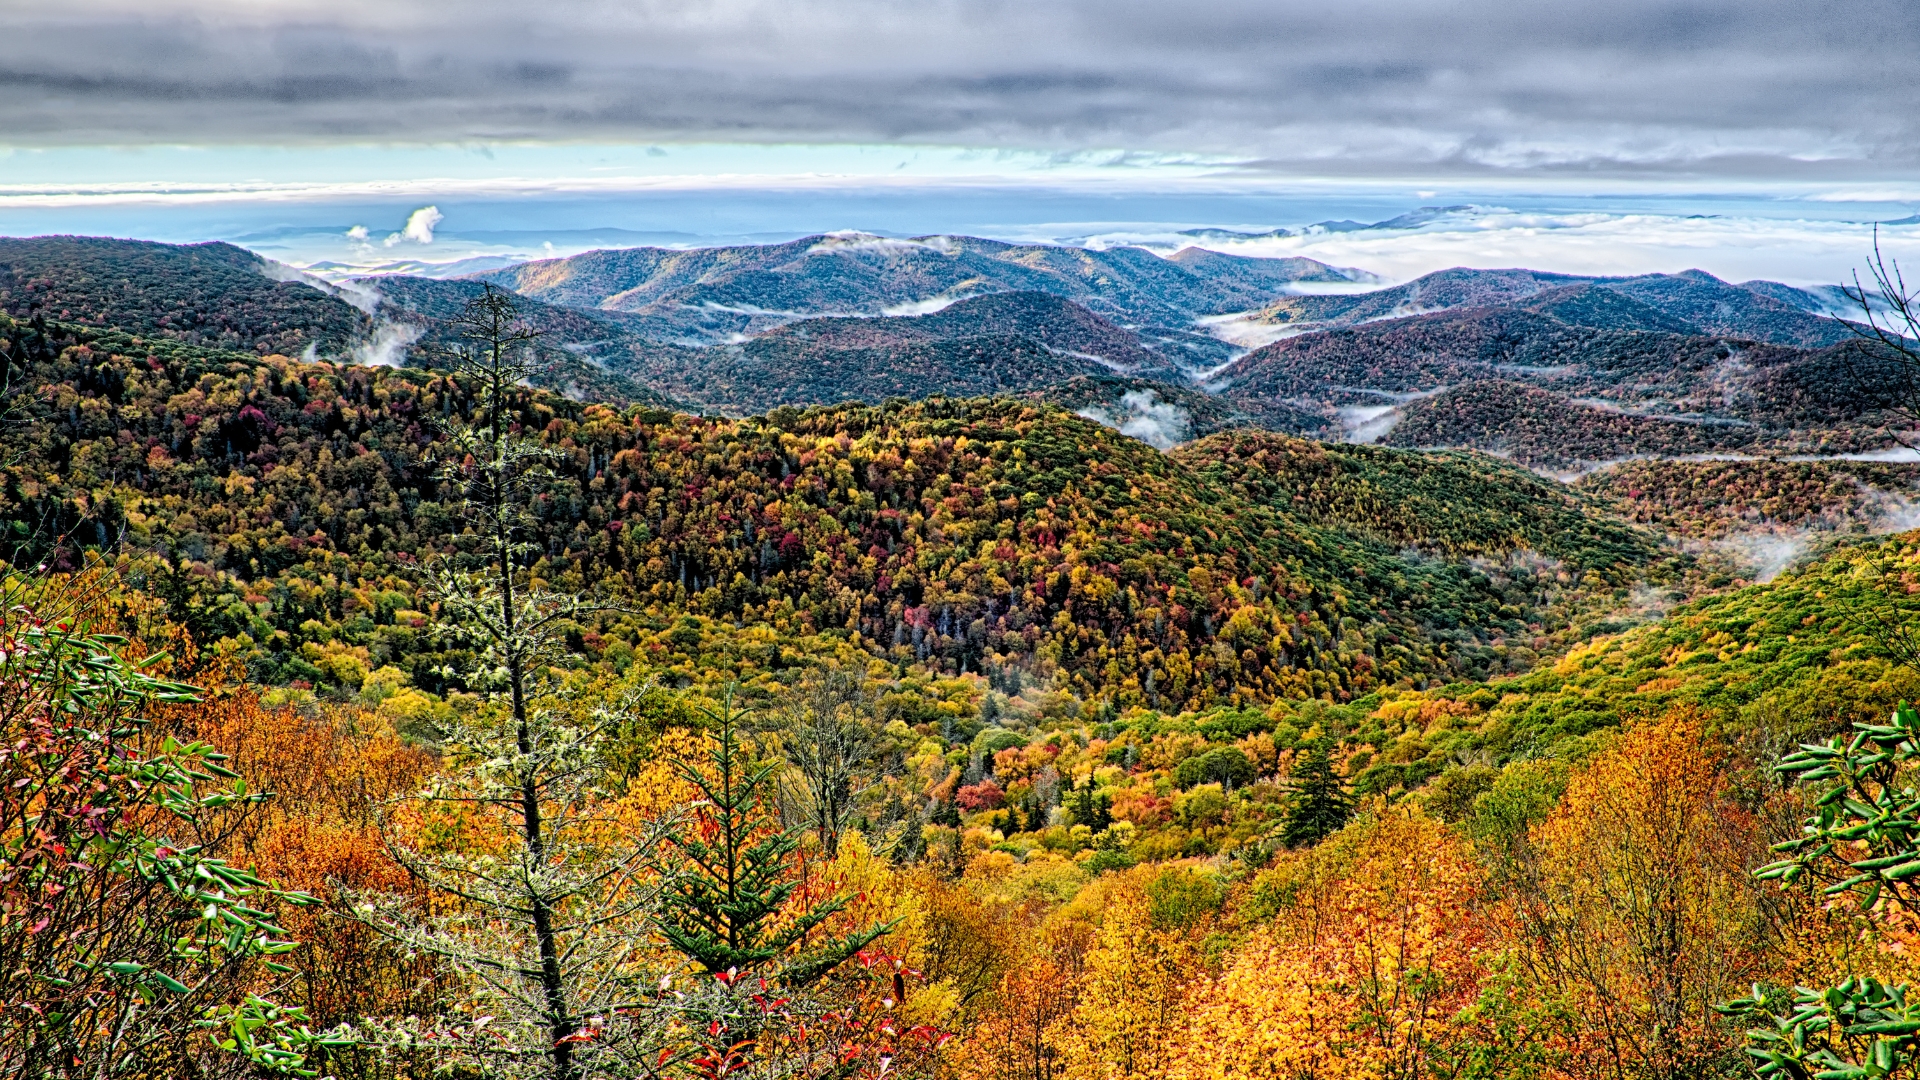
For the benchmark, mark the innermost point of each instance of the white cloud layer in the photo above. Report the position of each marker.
(1734, 248)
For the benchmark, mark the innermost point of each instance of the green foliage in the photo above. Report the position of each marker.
(1105, 859)
(1179, 898)
(1864, 805)
(1226, 766)
(1520, 797)
(1452, 795)
(1318, 803)
(1454, 503)
(1861, 1029)
(121, 933)
(1863, 837)
(731, 870)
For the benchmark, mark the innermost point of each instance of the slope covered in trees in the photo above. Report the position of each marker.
(1714, 499)
(215, 295)
(1260, 754)
(1456, 504)
(285, 506)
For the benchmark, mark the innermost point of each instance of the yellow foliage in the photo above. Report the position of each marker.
(1127, 1020)
(1641, 907)
(1376, 948)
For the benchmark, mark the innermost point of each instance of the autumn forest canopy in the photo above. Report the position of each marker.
(882, 697)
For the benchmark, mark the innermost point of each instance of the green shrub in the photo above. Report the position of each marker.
(1225, 765)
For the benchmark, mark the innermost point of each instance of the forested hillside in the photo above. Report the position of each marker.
(216, 295)
(283, 505)
(390, 723)
(1715, 499)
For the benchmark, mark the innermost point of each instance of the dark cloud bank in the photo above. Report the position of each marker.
(1772, 88)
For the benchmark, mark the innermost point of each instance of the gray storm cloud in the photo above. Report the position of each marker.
(1773, 87)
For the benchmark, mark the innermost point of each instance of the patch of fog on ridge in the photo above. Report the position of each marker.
(910, 308)
(1768, 553)
(387, 347)
(1244, 330)
(1142, 415)
(1772, 551)
(1367, 423)
(357, 293)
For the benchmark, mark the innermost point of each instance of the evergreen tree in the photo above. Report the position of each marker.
(731, 870)
(543, 923)
(1318, 803)
(1090, 808)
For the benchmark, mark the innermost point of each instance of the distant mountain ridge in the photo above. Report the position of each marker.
(704, 295)
(1547, 368)
(1692, 301)
(1556, 371)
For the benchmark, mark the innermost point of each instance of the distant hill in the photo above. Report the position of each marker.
(1163, 414)
(779, 369)
(1690, 302)
(1544, 429)
(1579, 372)
(224, 297)
(1439, 291)
(1255, 275)
(708, 293)
(216, 295)
(1716, 307)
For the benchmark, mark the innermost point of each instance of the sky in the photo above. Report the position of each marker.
(1755, 138)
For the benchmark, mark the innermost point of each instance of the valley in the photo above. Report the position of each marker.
(1159, 664)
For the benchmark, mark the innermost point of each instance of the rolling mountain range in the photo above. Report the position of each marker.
(706, 295)
(283, 507)
(1556, 371)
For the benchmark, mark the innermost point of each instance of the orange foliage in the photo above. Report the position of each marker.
(1378, 947)
(1017, 1039)
(318, 835)
(1640, 907)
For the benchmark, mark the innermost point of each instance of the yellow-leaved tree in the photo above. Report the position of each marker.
(1127, 1021)
(1638, 909)
(1374, 950)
